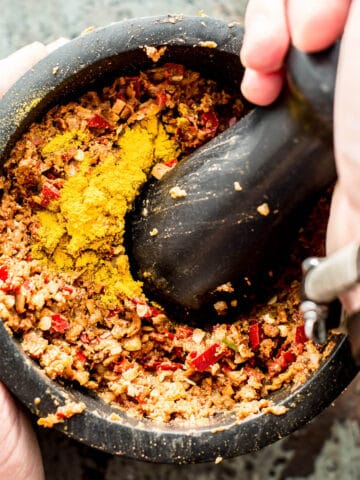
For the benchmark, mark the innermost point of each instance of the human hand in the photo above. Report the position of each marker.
(20, 457)
(270, 28)
(16, 64)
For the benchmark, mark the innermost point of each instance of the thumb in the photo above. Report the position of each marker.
(20, 457)
(347, 109)
(344, 223)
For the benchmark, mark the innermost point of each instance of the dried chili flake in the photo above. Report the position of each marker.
(97, 121)
(59, 323)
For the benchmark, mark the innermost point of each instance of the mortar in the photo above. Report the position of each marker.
(95, 58)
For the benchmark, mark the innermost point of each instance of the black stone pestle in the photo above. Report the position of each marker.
(246, 191)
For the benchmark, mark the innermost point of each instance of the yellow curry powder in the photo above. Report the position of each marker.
(85, 226)
(65, 140)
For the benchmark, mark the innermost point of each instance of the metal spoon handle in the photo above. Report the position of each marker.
(325, 279)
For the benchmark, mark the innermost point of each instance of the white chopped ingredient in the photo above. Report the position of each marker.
(159, 170)
(79, 155)
(221, 307)
(208, 44)
(263, 209)
(272, 300)
(154, 53)
(198, 335)
(154, 232)
(45, 323)
(177, 192)
(225, 287)
(237, 186)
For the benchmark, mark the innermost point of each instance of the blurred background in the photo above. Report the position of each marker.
(329, 447)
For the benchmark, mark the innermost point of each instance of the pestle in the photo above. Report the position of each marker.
(246, 191)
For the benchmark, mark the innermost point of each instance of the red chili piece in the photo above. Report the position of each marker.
(210, 121)
(255, 335)
(4, 273)
(208, 357)
(58, 323)
(97, 121)
(300, 337)
(154, 312)
(281, 363)
(161, 99)
(84, 337)
(173, 70)
(67, 289)
(165, 366)
(80, 355)
(49, 193)
(169, 366)
(171, 163)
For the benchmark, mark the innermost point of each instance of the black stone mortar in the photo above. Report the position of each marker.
(95, 58)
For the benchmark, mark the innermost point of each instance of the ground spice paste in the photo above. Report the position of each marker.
(65, 284)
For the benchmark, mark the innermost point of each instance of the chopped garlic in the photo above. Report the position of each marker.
(237, 186)
(177, 192)
(263, 209)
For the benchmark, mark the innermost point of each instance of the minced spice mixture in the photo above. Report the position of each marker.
(66, 289)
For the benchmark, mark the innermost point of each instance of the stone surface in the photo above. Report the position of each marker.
(327, 448)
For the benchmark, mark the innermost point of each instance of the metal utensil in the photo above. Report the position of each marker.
(324, 280)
